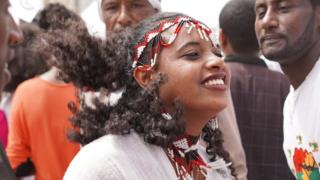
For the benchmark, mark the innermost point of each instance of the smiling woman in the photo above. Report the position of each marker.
(163, 126)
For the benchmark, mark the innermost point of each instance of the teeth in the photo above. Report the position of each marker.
(214, 82)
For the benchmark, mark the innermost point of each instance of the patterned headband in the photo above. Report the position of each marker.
(157, 37)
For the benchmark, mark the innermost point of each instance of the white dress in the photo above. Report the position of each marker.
(302, 127)
(125, 158)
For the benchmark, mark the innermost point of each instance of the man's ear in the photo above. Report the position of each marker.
(143, 76)
(222, 39)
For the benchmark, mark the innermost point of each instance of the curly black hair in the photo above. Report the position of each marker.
(94, 64)
(54, 15)
(26, 63)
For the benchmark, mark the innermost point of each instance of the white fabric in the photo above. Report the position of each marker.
(155, 4)
(125, 157)
(6, 104)
(302, 118)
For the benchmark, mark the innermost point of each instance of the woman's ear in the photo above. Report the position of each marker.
(143, 76)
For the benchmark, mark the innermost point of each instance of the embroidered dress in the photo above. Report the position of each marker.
(188, 150)
(302, 127)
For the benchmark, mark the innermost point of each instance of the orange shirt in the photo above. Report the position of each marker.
(38, 127)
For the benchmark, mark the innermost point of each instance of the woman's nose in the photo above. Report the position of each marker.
(215, 62)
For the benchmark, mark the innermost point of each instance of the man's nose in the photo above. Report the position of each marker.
(124, 18)
(270, 20)
(15, 34)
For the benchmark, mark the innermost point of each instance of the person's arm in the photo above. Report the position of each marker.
(18, 149)
(232, 141)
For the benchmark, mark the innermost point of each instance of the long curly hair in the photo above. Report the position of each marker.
(91, 63)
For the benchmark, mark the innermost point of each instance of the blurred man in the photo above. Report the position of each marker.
(120, 14)
(9, 35)
(258, 93)
(289, 33)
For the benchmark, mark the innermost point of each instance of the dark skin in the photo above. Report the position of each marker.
(119, 14)
(196, 59)
(303, 65)
(10, 34)
(288, 32)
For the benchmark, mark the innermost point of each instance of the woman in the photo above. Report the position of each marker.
(163, 126)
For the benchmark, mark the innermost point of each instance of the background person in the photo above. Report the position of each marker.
(39, 119)
(258, 93)
(289, 33)
(24, 65)
(10, 34)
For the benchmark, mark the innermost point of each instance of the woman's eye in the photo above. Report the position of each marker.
(192, 55)
(217, 53)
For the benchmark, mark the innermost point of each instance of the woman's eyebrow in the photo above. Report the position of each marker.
(189, 43)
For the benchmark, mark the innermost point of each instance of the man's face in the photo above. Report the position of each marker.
(9, 34)
(285, 28)
(119, 14)
(4, 30)
(4, 35)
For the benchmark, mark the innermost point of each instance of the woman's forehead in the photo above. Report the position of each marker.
(166, 33)
(187, 33)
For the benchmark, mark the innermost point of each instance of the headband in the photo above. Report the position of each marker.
(158, 39)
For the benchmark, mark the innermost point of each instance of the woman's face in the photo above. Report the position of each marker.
(196, 73)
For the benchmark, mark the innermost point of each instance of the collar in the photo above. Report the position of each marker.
(246, 59)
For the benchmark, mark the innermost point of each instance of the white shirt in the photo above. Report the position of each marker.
(123, 157)
(302, 127)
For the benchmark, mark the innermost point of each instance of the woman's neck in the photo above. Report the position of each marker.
(196, 122)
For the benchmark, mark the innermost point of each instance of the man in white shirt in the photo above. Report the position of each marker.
(289, 33)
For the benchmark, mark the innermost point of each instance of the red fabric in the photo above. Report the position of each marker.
(3, 129)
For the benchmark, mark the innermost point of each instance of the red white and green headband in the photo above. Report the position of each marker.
(158, 38)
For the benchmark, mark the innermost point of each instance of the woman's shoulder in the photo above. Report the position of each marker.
(97, 159)
(120, 157)
(108, 146)
(104, 153)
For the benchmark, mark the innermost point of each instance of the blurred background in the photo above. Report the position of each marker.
(204, 10)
